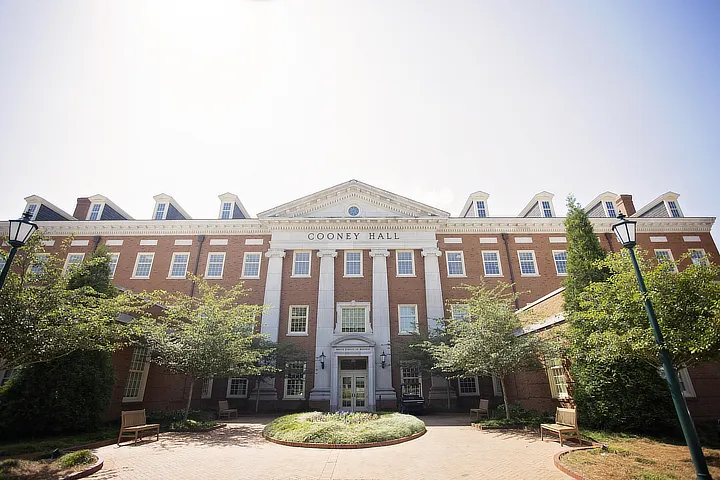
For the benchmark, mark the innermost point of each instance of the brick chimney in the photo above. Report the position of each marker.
(625, 205)
(81, 208)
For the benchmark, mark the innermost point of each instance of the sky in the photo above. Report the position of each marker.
(273, 100)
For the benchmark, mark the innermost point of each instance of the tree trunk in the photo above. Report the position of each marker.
(257, 394)
(507, 407)
(447, 383)
(187, 408)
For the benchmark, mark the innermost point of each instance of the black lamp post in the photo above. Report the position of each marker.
(19, 233)
(322, 360)
(625, 231)
(383, 359)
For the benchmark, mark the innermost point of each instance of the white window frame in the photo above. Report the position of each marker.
(551, 369)
(113, 265)
(455, 310)
(295, 262)
(607, 210)
(462, 263)
(36, 260)
(245, 263)
(99, 213)
(700, 261)
(164, 212)
(479, 208)
(67, 260)
(342, 305)
(542, 208)
(34, 214)
(555, 262)
(397, 263)
(143, 377)
(222, 210)
(686, 384)
(137, 262)
(497, 386)
(286, 381)
(469, 394)
(537, 273)
(669, 210)
(303, 333)
(411, 364)
(237, 395)
(345, 264)
(417, 322)
(485, 272)
(222, 266)
(170, 276)
(209, 383)
(670, 257)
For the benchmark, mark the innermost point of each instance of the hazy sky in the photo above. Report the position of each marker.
(273, 100)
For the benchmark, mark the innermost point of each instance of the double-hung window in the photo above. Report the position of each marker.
(610, 209)
(491, 263)
(546, 208)
(405, 260)
(673, 208)
(353, 263)
(411, 378)
(560, 258)
(178, 265)
(114, 257)
(459, 311)
(497, 386)
(160, 211)
(137, 376)
(468, 386)
(295, 380)
(73, 261)
(206, 390)
(143, 265)
(408, 316)
(353, 317)
(556, 376)
(32, 210)
(95, 212)
(298, 322)
(226, 211)
(251, 265)
(237, 388)
(528, 266)
(301, 264)
(698, 257)
(665, 256)
(455, 264)
(481, 210)
(38, 265)
(215, 265)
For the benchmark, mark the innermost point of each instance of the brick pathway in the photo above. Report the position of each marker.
(449, 450)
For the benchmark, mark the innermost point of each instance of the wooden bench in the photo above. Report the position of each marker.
(565, 424)
(224, 409)
(483, 409)
(134, 423)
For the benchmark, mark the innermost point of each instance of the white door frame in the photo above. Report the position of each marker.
(357, 347)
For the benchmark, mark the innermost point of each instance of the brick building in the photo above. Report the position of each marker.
(346, 272)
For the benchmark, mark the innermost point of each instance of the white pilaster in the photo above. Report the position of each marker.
(271, 317)
(325, 325)
(381, 323)
(433, 290)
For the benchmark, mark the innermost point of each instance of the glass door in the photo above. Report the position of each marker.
(360, 403)
(353, 393)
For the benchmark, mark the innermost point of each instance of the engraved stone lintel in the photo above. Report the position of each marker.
(275, 253)
(428, 252)
(326, 253)
(382, 252)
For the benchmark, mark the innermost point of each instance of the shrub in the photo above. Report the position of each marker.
(623, 396)
(81, 457)
(191, 425)
(166, 418)
(67, 395)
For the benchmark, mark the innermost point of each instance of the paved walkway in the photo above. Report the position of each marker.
(449, 450)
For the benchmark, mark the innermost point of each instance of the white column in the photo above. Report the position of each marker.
(325, 327)
(381, 327)
(271, 317)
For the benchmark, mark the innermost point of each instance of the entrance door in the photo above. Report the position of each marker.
(353, 392)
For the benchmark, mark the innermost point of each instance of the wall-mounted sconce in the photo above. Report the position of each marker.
(383, 359)
(322, 360)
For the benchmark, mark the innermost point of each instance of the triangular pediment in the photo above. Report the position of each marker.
(353, 199)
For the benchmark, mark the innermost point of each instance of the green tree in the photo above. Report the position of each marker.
(209, 335)
(489, 342)
(583, 253)
(46, 313)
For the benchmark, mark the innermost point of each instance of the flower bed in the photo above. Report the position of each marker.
(343, 428)
(70, 466)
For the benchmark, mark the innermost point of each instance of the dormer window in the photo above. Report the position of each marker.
(610, 209)
(673, 209)
(160, 211)
(226, 211)
(481, 210)
(546, 208)
(32, 210)
(95, 212)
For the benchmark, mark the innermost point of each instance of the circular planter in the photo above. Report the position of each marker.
(346, 445)
(87, 472)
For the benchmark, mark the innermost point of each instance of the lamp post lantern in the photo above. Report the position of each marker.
(626, 235)
(19, 233)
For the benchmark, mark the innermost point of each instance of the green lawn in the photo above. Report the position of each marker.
(48, 444)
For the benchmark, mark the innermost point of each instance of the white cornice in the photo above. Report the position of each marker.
(152, 227)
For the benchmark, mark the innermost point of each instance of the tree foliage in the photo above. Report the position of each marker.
(583, 253)
(209, 335)
(489, 342)
(612, 323)
(50, 313)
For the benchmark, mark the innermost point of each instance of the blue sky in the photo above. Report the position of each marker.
(273, 100)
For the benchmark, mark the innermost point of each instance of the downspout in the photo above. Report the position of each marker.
(201, 239)
(512, 275)
(609, 239)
